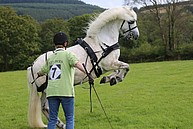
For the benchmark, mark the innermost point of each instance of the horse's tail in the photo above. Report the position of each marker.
(34, 110)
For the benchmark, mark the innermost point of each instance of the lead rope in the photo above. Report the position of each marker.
(91, 83)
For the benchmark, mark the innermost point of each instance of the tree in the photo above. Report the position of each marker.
(78, 25)
(49, 29)
(18, 40)
(167, 15)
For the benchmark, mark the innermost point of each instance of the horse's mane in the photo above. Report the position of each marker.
(108, 15)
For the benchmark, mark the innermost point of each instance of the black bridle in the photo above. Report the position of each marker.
(129, 24)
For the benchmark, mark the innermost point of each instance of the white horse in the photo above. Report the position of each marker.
(99, 51)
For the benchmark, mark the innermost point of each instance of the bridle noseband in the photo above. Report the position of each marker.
(129, 23)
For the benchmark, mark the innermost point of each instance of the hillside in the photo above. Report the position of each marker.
(48, 9)
(186, 4)
(43, 1)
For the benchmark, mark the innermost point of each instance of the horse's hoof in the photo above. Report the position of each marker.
(62, 126)
(113, 81)
(119, 79)
(103, 80)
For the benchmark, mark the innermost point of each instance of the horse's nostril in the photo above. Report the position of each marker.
(136, 37)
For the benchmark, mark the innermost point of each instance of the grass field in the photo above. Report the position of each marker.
(152, 96)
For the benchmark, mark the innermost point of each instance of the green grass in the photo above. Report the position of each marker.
(152, 96)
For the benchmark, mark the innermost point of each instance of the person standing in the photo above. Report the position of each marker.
(60, 68)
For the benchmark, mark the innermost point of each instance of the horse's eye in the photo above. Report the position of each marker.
(131, 22)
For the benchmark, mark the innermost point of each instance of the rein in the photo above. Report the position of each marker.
(91, 83)
(94, 60)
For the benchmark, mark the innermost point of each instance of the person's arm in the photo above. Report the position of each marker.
(40, 73)
(43, 71)
(80, 67)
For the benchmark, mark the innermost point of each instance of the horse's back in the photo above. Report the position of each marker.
(36, 67)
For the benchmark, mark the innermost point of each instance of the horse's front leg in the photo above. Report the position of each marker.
(45, 111)
(121, 69)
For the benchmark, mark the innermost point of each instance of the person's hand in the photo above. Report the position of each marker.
(90, 79)
(40, 74)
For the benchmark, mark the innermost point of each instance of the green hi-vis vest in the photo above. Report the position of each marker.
(60, 70)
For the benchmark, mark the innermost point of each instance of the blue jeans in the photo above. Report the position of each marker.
(68, 108)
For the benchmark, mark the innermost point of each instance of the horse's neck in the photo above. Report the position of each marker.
(107, 34)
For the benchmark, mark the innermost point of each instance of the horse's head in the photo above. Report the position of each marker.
(129, 30)
(129, 27)
(109, 24)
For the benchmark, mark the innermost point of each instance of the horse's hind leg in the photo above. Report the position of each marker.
(45, 111)
(44, 105)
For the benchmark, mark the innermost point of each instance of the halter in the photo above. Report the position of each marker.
(129, 23)
(93, 58)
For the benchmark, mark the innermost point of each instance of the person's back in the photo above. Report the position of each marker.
(61, 75)
(60, 71)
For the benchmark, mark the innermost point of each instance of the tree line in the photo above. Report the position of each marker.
(166, 30)
(23, 39)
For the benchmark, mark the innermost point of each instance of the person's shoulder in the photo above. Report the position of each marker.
(70, 53)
